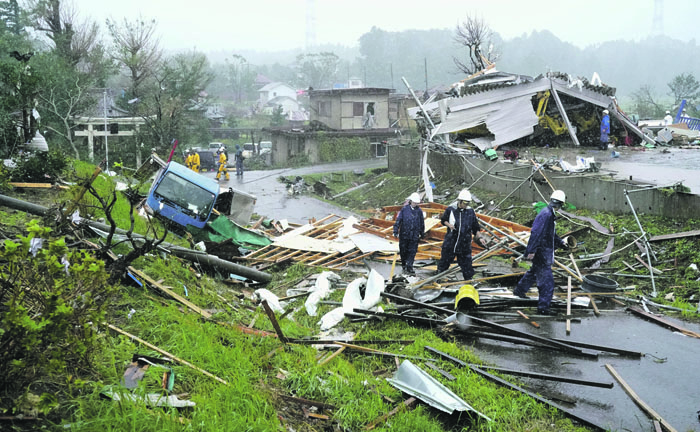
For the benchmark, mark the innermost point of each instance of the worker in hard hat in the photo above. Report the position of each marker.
(462, 224)
(668, 120)
(222, 164)
(188, 159)
(194, 161)
(409, 228)
(540, 250)
(604, 130)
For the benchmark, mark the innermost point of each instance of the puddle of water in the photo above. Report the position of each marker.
(665, 378)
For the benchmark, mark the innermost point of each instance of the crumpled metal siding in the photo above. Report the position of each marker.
(413, 380)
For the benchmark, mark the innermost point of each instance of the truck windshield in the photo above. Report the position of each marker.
(191, 198)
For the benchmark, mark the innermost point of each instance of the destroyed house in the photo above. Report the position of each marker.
(496, 108)
(351, 108)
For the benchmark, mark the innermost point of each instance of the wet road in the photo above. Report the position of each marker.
(274, 202)
(666, 378)
(662, 166)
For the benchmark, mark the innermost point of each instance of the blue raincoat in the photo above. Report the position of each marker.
(543, 241)
(410, 228)
(458, 242)
(604, 130)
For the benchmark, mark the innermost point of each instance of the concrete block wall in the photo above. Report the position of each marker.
(582, 190)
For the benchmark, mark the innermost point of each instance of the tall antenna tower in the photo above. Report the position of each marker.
(310, 41)
(657, 27)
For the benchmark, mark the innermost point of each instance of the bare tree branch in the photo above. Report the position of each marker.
(473, 33)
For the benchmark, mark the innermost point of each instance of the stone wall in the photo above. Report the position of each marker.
(589, 191)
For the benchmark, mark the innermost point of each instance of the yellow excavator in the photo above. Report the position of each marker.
(555, 124)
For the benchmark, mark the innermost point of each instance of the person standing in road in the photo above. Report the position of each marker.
(188, 159)
(195, 161)
(239, 160)
(462, 224)
(540, 250)
(222, 165)
(409, 228)
(604, 130)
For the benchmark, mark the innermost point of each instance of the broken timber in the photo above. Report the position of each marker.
(162, 351)
(505, 383)
(662, 322)
(547, 341)
(646, 408)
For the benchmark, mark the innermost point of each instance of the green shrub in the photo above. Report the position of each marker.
(40, 168)
(335, 149)
(51, 299)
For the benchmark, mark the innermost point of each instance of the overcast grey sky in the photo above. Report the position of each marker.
(272, 25)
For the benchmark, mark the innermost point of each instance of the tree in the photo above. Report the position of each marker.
(645, 103)
(136, 48)
(683, 86)
(317, 70)
(474, 33)
(10, 17)
(73, 38)
(277, 116)
(173, 105)
(65, 94)
(240, 77)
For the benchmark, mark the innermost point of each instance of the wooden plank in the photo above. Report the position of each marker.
(595, 306)
(271, 315)
(629, 266)
(643, 405)
(655, 270)
(405, 405)
(257, 224)
(165, 353)
(308, 402)
(673, 236)
(662, 322)
(332, 356)
(169, 292)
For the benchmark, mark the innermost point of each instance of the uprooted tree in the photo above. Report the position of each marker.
(475, 34)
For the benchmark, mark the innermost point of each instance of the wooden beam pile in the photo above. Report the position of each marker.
(381, 225)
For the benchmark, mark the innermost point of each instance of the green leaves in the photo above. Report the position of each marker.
(47, 311)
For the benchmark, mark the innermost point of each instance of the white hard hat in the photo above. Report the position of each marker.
(606, 112)
(221, 149)
(559, 195)
(668, 112)
(464, 195)
(414, 197)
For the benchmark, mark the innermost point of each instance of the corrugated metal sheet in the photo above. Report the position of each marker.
(507, 120)
(413, 380)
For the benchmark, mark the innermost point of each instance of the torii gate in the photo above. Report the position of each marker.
(132, 123)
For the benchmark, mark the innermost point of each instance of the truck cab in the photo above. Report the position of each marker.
(185, 198)
(182, 196)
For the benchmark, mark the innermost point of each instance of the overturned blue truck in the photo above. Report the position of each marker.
(188, 202)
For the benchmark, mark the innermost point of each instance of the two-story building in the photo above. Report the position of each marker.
(366, 113)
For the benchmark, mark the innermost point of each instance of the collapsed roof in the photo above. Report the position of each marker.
(496, 108)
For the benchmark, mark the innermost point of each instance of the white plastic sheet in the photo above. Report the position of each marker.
(320, 290)
(353, 299)
(272, 300)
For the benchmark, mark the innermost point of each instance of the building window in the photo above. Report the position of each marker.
(358, 109)
(324, 109)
